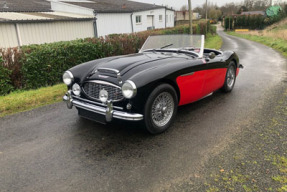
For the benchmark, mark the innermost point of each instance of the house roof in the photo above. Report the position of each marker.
(253, 13)
(28, 17)
(115, 6)
(24, 5)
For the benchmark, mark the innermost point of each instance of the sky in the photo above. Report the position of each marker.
(177, 4)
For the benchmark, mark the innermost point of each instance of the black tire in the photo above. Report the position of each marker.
(160, 109)
(230, 78)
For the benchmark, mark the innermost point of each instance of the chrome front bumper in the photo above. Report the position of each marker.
(108, 110)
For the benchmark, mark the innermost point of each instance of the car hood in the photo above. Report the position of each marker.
(123, 64)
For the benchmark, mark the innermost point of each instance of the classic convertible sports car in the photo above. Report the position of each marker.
(169, 71)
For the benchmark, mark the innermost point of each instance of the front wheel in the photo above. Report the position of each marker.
(160, 109)
(230, 78)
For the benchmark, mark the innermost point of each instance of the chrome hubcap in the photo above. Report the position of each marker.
(230, 77)
(162, 109)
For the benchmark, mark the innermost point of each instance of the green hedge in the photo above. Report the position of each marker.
(5, 80)
(250, 22)
(44, 66)
(228, 21)
(37, 66)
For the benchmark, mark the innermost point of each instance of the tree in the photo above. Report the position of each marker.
(214, 13)
(199, 10)
(230, 8)
(242, 9)
(183, 8)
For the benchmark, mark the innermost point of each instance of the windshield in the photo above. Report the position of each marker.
(183, 42)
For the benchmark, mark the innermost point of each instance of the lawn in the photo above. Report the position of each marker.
(26, 100)
(276, 43)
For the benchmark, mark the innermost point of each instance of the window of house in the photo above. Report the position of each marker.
(160, 17)
(166, 18)
(138, 19)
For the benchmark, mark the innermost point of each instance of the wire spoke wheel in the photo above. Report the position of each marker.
(162, 109)
(230, 77)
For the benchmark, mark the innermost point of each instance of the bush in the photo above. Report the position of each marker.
(5, 80)
(36, 66)
(254, 21)
(228, 21)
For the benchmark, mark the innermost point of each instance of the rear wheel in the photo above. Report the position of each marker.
(230, 78)
(160, 109)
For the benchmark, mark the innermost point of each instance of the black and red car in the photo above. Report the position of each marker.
(169, 71)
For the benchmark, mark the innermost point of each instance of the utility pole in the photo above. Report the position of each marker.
(190, 17)
(206, 16)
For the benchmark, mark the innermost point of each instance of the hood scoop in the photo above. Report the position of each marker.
(113, 72)
(108, 71)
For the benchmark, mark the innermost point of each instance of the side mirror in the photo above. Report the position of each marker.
(211, 55)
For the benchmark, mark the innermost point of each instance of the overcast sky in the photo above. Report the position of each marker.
(177, 4)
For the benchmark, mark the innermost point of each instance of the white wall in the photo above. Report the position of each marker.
(110, 23)
(144, 24)
(170, 20)
(8, 36)
(39, 33)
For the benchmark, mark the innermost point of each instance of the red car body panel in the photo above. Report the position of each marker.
(191, 87)
(199, 84)
(214, 80)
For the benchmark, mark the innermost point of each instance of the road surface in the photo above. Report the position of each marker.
(52, 149)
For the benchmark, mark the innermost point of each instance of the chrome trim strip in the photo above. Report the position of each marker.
(187, 74)
(141, 50)
(89, 107)
(102, 82)
(202, 47)
(95, 103)
(101, 110)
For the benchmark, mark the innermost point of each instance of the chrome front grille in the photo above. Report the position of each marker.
(92, 89)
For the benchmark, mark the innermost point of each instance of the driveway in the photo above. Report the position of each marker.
(52, 149)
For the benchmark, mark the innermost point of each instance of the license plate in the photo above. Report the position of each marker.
(92, 116)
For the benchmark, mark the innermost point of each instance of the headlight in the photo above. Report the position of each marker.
(129, 89)
(68, 78)
(76, 89)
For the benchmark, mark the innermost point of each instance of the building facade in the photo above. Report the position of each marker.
(119, 16)
(23, 23)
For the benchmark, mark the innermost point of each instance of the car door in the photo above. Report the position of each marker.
(191, 84)
(215, 75)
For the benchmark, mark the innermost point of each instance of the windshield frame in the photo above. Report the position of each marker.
(179, 49)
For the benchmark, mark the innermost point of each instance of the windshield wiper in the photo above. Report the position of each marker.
(166, 46)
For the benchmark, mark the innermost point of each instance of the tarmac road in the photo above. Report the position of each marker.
(52, 149)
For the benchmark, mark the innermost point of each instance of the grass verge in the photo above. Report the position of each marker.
(26, 100)
(276, 43)
(19, 101)
(213, 41)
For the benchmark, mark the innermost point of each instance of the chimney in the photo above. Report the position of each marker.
(5, 5)
(124, 6)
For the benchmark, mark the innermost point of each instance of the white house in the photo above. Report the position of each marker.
(120, 16)
(277, 2)
(25, 28)
(41, 21)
